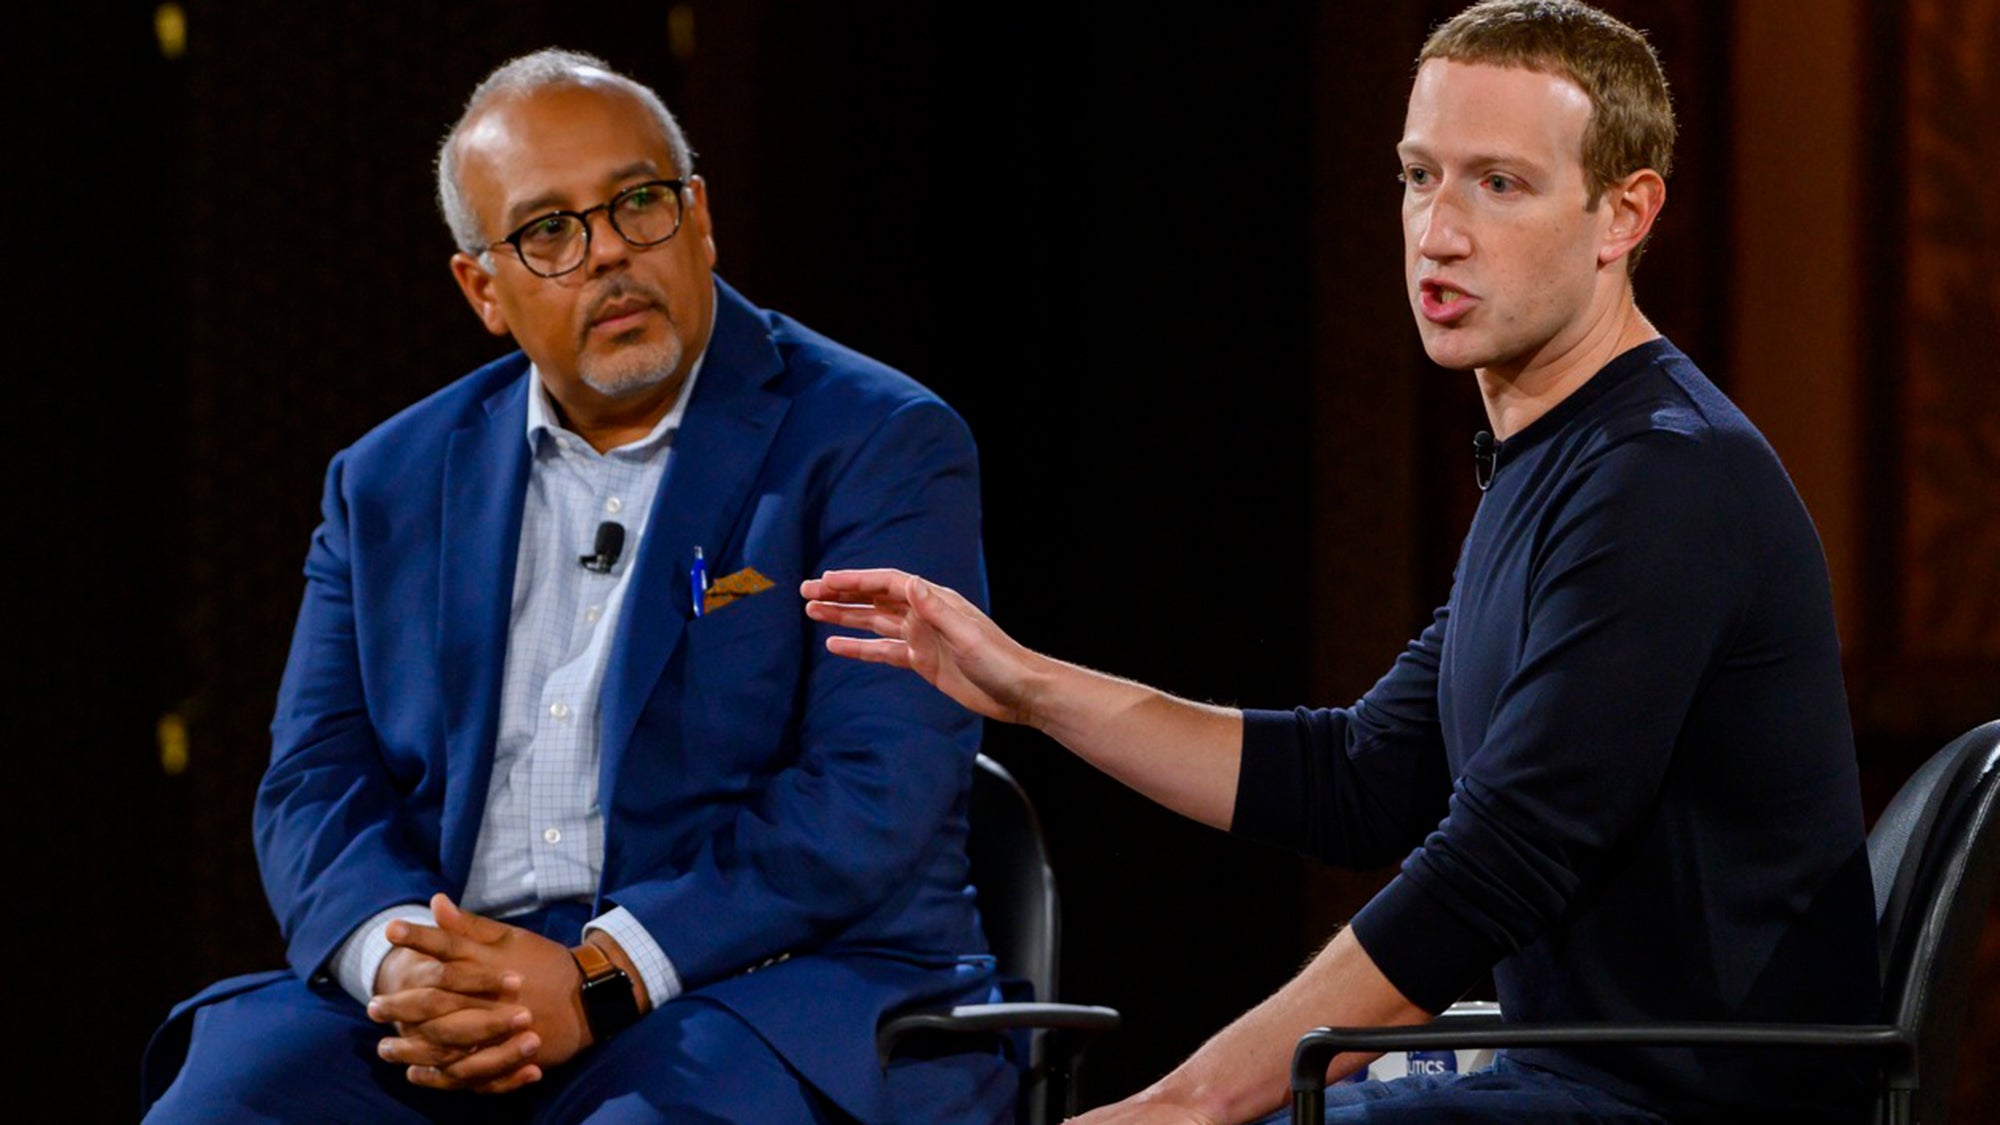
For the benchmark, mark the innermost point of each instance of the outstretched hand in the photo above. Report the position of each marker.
(1183, 755)
(933, 631)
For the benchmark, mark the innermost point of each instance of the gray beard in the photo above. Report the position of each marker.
(625, 382)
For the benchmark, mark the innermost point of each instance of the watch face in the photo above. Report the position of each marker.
(608, 1003)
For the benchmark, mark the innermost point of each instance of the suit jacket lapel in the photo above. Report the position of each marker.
(724, 436)
(485, 478)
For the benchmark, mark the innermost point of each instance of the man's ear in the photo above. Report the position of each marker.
(1633, 203)
(477, 285)
(697, 222)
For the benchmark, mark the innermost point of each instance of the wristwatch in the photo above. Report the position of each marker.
(608, 1004)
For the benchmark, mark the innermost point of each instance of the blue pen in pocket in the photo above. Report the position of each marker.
(697, 582)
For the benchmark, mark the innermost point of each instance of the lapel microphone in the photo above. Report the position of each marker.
(1485, 458)
(610, 542)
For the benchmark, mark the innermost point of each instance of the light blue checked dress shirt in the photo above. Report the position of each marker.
(542, 837)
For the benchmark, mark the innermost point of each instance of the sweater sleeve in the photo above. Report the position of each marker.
(1354, 786)
(1633, 585)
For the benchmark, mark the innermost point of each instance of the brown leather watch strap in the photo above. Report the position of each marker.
(609, 1003)
(592, 962)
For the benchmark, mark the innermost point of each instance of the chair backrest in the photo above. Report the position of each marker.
(1010, 869)
(1935, 852)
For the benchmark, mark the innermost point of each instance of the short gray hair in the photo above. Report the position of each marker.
(544, 69)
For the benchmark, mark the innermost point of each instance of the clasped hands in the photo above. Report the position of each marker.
(477, 1004)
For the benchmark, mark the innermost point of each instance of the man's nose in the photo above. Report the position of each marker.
(607, 247)
(1442, 234)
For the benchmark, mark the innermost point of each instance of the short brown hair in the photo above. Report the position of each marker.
(1631, 116)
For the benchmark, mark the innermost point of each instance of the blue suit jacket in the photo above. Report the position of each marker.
(761, 798)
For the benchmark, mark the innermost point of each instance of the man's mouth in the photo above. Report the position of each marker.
(621, 313)
(1443, 302)
(619, 317)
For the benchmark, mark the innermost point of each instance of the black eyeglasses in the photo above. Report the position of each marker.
(554, 244)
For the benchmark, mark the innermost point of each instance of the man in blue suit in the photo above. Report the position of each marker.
(567, 802)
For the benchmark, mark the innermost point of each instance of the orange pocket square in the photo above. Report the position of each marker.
(730, 587)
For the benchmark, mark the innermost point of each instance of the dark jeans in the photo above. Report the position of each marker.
(1506, 1092)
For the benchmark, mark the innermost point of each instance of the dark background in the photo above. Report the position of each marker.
(1153, 261)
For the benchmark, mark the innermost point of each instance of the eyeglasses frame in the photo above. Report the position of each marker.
(609, 207)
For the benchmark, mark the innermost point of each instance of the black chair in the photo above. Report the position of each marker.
(1021, 916)
(1934, 853)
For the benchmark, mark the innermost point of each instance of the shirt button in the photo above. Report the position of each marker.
(552, 835)
(593, 613)
(559, 710)
(613, 505)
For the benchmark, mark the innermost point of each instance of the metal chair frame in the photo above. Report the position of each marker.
(1022, 917)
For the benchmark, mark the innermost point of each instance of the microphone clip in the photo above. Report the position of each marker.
(604, 555)
(1485, 459)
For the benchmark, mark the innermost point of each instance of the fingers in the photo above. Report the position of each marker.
(520, 1077)
(871, 651)
(453, 919)
(489, 1069)
(451, 994)
(400, 969)
(453, 938)
(881, 602)
(864, 617)
(428, 940)
(467, 979)
(851, 585)
(453, 1036)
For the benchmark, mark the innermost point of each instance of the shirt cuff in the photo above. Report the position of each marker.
(656, 972)
(358, 959)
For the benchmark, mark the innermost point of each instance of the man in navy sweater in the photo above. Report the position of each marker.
(1619, 760)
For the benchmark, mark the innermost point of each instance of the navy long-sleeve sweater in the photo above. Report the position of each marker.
(1629, 718)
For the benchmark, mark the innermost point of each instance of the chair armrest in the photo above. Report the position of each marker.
(970, 1018)
(1316, 1048)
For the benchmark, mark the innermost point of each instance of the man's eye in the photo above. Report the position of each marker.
(1500, 184)
(639, 199)
(549, 229)
(1414, 177)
